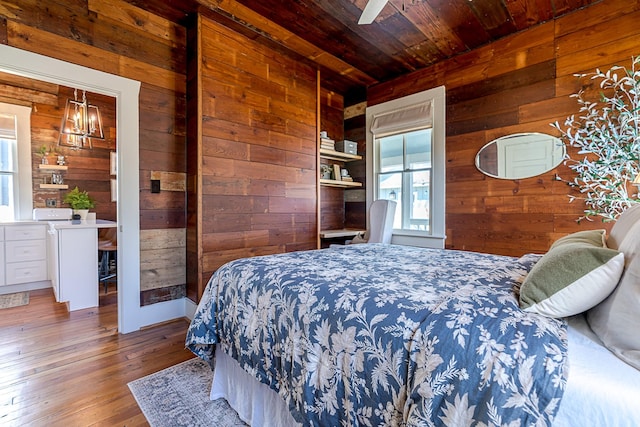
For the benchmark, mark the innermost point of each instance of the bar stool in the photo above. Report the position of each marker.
(107, 254)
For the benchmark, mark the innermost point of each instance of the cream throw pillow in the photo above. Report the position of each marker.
(623, 225)
(616, 320)
(577, 273)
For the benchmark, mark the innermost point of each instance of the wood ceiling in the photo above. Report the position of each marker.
(407, 35)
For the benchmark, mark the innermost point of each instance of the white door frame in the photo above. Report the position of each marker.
(126, 91)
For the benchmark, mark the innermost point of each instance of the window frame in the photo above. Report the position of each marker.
(23, 185)
(435, 237)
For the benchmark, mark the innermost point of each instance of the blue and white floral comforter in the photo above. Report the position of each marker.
(386, 335)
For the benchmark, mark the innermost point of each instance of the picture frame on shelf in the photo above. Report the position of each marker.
(336, 173)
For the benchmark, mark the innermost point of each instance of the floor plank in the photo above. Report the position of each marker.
(71, 369)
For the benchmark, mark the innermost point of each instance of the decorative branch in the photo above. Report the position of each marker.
(607, 134)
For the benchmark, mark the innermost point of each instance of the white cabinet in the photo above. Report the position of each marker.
(25, 254)
(73, 265)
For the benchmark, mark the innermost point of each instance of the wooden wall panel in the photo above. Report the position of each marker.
(253, 161)
(519, 84)
(118, 38)
(87, 169)
(355, 215)
(332, 207)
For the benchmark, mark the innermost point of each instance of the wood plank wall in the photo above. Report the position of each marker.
(253, 188)
(118, 38)
(518, 84)
(88, 169)
(331, 198)
(355, 215)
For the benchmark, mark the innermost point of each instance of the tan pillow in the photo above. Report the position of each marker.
(616, 320)
(623, 225)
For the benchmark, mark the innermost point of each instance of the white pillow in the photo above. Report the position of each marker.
(577, 273)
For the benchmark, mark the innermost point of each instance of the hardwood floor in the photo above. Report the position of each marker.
(71, 369)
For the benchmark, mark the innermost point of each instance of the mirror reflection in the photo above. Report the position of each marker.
(521, 155)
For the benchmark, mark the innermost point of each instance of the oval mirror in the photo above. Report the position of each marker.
(521, 155)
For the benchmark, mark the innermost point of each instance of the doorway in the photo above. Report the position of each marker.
(125, 91)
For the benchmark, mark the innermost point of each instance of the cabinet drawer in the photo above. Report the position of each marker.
(28, 250)
(25, 232)
(24, 272)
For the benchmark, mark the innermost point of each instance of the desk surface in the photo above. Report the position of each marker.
(343, 232)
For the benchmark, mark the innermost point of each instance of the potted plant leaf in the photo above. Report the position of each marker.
(44, 152)
(80, 202)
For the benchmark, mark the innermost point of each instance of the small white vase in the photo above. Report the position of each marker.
(82, 212)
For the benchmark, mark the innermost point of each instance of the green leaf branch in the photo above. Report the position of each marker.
(607, 136)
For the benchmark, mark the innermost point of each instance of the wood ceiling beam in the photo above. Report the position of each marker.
(245, 16)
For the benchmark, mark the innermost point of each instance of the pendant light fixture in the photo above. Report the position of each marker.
(81, 122)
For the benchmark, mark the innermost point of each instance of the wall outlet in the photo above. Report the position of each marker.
(155, 185)
(51, 203)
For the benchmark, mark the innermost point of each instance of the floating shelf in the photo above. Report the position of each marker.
(343, 184)
(53, 167)
(337, 155)
(55, 186)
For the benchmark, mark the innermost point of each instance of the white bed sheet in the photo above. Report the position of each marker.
(602, 390)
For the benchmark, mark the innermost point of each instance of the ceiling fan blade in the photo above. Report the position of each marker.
(371, 11)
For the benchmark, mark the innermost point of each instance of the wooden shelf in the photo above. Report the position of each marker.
(343, 184)
(344, 232)
(337, 155)
(53, 167)
(55, 186)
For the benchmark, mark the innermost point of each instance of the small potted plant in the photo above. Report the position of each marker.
(80, 202)
(44, 152)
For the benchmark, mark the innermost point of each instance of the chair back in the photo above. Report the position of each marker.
(107, 238)
(381, 214)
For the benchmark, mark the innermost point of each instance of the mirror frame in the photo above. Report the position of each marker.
(515, 136)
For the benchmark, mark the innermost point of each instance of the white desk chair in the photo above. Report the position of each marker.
(381, 214)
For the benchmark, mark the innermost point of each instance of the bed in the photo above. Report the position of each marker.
(377, 335)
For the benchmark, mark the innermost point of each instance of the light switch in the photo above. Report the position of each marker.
(155, 185)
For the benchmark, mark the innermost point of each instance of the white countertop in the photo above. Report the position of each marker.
(21, 222)
(85, 223)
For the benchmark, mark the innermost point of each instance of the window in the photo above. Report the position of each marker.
(15, 162)
(404, 175)
(406, 163)
(8, 167)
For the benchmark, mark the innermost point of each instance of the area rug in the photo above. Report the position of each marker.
(14, 300)
(179, 396)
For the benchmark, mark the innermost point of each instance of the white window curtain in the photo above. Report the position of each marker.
(406, 119)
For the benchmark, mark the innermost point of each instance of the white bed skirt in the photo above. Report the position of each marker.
(255, 403)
